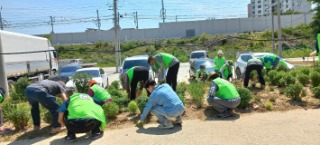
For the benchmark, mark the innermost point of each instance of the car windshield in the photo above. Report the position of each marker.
(69, 69)
(94, 73)
(131, 63)
(196, 55)
(208, 64)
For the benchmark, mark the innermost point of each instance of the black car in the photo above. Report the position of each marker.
(67, 71)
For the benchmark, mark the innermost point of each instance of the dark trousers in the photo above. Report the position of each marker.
(82, 125)
(139, 74)
(36, 96)
(172, 75)
(250, 68)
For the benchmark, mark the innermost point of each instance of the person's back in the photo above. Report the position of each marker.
(163, 95)
(51, 87)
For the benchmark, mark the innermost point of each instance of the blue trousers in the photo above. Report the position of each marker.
(36, 96)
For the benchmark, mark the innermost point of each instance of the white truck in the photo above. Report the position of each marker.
(25, 55)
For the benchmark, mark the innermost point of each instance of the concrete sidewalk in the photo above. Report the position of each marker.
(293, 127)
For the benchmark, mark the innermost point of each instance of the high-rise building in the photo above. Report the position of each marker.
(259, 8)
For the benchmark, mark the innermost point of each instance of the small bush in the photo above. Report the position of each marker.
(315, 78)
(289, 79)
(282, 67)
(316, 92)
(271, 89)
(111, 109)
(245, 96)
(133, 107)
(268, 105)
(111, 87)
(303, 79)
(197, 91)
(19, 116)
(47, 117)
(273, 100)
(81, 81)
(142, 101)
(181, 88)
(17, 92)
(294, 91)
(7, 107)
(272, 77)
(305, 71)
(115, 84)
(279, 79)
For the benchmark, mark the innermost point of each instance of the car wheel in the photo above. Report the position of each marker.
(238, 73)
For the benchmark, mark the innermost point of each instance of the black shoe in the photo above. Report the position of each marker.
(225, 114)
(97, 135)
(71, 137)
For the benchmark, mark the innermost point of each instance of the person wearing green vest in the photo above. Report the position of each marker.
(80, 114)
(132, 77)
(162, 61)
(270, 61)
(316, 51)
(257, 65)
(202, 73)
(219, 61)
(100, 94)
(223, 96)
(227, 70)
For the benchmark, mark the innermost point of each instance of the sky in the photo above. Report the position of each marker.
(33, 16)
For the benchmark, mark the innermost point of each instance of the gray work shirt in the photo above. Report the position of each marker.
(51, 87)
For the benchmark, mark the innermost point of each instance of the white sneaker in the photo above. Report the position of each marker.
(179, 120)
(166, 124)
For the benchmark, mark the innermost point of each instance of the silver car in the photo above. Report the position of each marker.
(199, 54)
(243, 58)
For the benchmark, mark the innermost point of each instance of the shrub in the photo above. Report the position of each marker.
(197, 91)
(272, 77)
(47, 117)
(272, 100)
(19, 116)
(305, 71)
(182, 98)
(279, 79)
(303, 79)
(316, 92)
(245, 96)
(289, 79)
(17, 92)
(111, 110)
(115, 84)
(293, 91)
(7, 107)
(81, 81)
(133, 107)
(181, 88)
(268, 105)
(315, 78)
(142, 101)
(282, 67)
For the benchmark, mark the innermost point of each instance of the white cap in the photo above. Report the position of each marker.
(220, 52)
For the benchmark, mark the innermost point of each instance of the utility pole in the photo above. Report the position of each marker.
(52, 20)
(136, 21)
(98, 20)
(176, 18)
(163, 16)
(272, 21)
(279, 29)
(1, 22)
(115, 11)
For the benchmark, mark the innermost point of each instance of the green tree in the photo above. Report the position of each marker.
(316, 17)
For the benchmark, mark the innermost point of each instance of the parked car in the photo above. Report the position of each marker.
(66, 72)
(243, 58)
(199, 54)
(129, 62)
(97, 74)
(195, 65)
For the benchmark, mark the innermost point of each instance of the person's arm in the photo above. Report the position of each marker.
(60, 119)
(148, 107)
(213, 89)
(63, 108)
(222, 70)
(90, 92)
(63, 96)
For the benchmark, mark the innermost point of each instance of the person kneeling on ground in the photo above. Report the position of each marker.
(227, 71)
(164, 103)
(100, 94)
(223, 96)
(202, 73)
(80, 114)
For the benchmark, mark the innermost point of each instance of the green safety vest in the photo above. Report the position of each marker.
(166, 59)
(318, 38)
(227, 71)
(1, 98)
(219, 62)
(226, 89)
(129, 73)
(281, 62)
(268, 60)
(100, 93)
(83, 106)
(204, 73)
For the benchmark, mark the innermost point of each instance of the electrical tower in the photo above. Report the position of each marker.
(52, 20)
(163, 17)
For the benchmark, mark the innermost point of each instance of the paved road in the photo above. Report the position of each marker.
(295, 127)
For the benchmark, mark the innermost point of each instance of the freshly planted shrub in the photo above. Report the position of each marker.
(115, 84)
(282, 67)
(272, 77)
(81, 81)
(19, 116)
(245, 96)
(289, 79)
(315, 78)
(17, 92)
(142, 101)
(181, 88)
(133, 107)
(303, 79)
(197, 91)
(279, 79)
(294, 91)
(111, 110)
(316, 92)
(7, 107)
(305, 71)
(268, 105)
